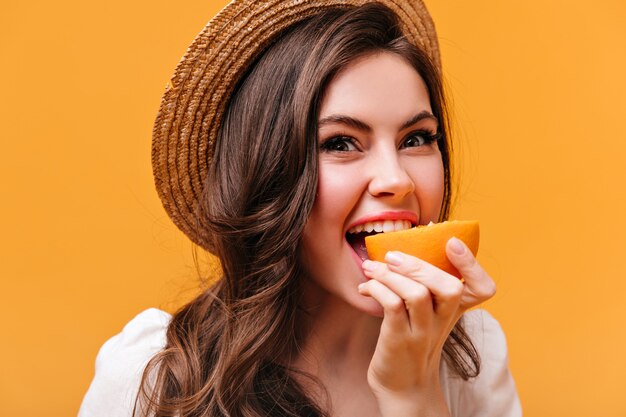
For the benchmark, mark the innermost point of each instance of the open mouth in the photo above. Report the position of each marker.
(356, 234)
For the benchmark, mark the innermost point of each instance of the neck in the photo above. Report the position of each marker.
(336, 347)
(338, 338)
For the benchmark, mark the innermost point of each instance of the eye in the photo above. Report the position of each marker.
(419, 138)
(338, 144)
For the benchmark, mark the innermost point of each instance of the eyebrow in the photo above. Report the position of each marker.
(360, 125)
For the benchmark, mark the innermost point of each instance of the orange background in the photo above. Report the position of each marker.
(539, 97)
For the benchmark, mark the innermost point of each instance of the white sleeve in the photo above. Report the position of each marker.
(120, 364)
(492, 393)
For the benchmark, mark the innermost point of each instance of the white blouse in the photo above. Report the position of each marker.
(122, 359)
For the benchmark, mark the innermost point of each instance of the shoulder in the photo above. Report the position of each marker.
(492, 392)
(487, 336)
(120, 364)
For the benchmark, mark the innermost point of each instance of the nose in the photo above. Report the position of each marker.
(389, 177)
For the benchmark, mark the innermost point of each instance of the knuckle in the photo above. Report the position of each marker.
(395, 306)
(454, 290)
(486, 288)
(383, 275)
(418, 295)
(415, 266)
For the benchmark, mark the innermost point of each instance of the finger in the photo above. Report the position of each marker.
(445, 288)
(417, 298)
(395, 313)
(479, 286)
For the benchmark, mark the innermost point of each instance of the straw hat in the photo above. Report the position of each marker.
(195, 99)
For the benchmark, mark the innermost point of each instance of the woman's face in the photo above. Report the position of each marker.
(379, 166)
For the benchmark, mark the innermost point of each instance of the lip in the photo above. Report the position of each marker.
(385, 215)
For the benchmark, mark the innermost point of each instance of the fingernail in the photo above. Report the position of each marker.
(368, 265)
(457, 246)
(394, 258)
(361, 287)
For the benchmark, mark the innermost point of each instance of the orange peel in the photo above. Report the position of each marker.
(426, 242)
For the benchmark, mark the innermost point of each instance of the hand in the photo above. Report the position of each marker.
(421, 305)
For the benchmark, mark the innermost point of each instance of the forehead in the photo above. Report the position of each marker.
(377, 87)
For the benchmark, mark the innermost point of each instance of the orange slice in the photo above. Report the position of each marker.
(425, 242)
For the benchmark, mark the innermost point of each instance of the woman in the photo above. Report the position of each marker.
(289, 126)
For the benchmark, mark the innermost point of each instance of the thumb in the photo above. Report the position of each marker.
(478, 284)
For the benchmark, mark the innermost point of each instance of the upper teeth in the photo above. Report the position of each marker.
(381, 226)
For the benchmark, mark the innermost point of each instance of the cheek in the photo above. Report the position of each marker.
(429, 187)
(325, 213)
(337, 194)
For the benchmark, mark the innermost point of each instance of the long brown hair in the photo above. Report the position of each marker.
(228, 352)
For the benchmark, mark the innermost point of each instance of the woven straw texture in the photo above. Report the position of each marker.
(194, 101)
